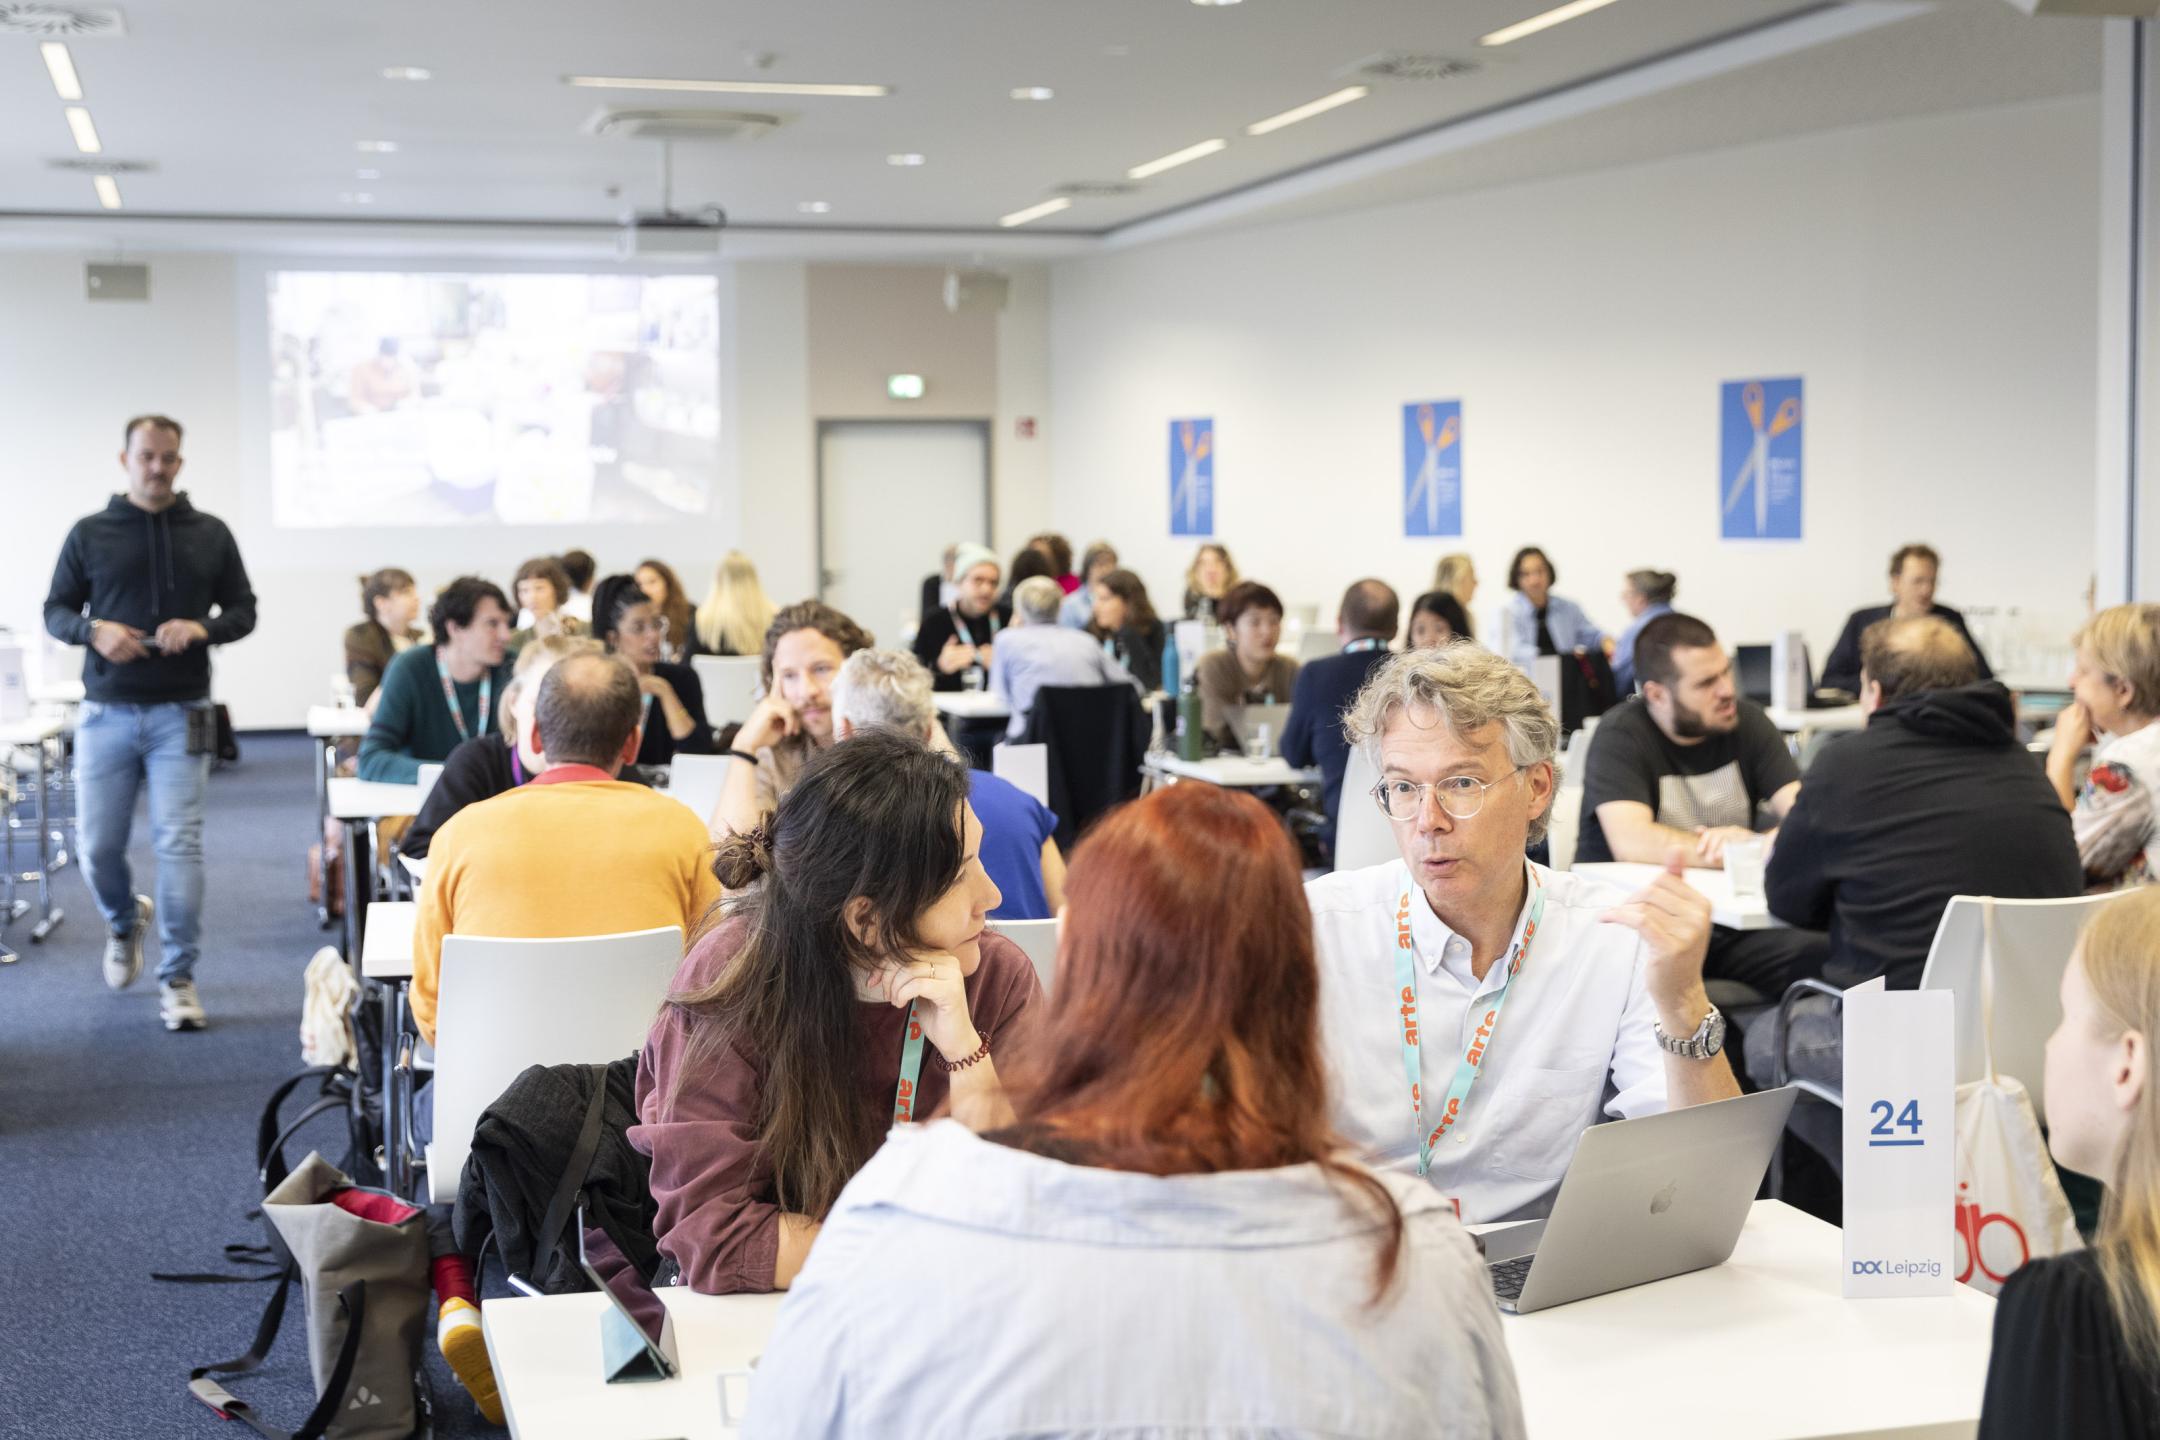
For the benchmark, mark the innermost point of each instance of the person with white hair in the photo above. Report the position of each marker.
(1477, 1008)
(890, 690)
(1037, 651)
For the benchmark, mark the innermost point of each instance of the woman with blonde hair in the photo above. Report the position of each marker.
(1213, 575)
(1457, 575)
(2116, 680)
(2077, 1336)
(736, 611)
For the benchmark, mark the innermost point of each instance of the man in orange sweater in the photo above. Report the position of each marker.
(574, 851)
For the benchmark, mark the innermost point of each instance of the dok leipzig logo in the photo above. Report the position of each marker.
(1897, 1267)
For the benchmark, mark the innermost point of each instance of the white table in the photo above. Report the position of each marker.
(1764, 1343)
(36, 733)
(1734, 914)
(1233, 772)
(971, 705)
(387, 953)
(386, 957)
(547, 1360)
(1803, 722)
(57, 692)
(326, 725)
(359, 804)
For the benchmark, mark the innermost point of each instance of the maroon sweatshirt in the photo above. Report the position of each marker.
(718, 1219)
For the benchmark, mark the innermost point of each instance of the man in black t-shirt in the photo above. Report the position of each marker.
(1690, 763)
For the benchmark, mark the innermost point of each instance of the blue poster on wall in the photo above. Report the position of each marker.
(1432, 468)
(1759, 480)
(1192, 477)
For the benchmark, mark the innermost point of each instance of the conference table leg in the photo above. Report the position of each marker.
(48, 918)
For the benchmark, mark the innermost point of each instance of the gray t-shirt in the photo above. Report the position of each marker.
(1722, 780)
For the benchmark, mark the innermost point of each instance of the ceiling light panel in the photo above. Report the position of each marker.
(108, 191)
(61, 66)
(1033, 92)
(1035, 212)
(907, 161)
(86, 136)
(376, 147)
(1181, 157)
(1545, 21)
(407, 72)
(726, 87)
(1306, 111)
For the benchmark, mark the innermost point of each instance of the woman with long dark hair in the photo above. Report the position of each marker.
(391, 602)
(849, 987)
(1169, 1238)
(1123, 620)
(631, 626)
(665, 590)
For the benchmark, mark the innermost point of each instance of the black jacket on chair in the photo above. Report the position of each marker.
(1098, 737)
(1934, 798)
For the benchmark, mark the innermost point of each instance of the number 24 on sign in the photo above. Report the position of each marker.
(1889, 1119)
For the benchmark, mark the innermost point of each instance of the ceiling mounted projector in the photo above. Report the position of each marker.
(673, 235)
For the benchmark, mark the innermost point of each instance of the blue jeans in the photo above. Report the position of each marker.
(117, 747)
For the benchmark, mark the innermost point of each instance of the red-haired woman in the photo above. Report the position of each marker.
(1168, 1238)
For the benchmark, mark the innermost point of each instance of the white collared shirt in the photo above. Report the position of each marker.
(1574, 1043)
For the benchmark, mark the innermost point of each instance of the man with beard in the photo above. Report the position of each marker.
(1690, 763)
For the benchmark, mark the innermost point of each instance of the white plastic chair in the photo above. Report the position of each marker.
(1563, 826)
(1039, 939)
(2033, 941)
(507, 1004)
(730, 683)
(1025, 767)
(1363, 836)
(696, 780)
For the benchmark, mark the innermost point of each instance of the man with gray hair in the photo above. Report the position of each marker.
(1419, 956)
(1038, 651)
(890, 689)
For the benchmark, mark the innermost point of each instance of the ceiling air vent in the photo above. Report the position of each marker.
(61, 22)
(1096, 189)
(1395, 67)
(98, 165)
(701, 125)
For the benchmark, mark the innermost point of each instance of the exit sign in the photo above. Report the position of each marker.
(904, 387)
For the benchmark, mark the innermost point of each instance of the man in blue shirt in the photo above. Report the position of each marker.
(1366, 623)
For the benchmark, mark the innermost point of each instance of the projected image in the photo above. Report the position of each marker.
(448, 399)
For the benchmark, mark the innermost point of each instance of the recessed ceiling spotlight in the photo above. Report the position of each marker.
(815, 207)
(357, 197)
(1035, 212)
(906, 161)
(1543, 21)
(1176, 158)
(1034, 92)
(725, 87)
(367, 174)
(108, 191)
(86, 136)
(375, 147)
(407, 72)
(61, 66)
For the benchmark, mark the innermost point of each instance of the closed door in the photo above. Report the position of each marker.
(891, 497)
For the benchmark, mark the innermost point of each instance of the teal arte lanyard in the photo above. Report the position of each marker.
(449, 693)
(903, 1100)
(1360, 647)
(1472, 1063)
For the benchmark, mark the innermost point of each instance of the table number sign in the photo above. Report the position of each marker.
(1900, 1142)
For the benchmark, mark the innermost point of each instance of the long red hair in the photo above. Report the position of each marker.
(1183, 1033)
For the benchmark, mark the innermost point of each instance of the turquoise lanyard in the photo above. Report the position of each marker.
(1473, 1061)
(449, 691)
(903, 1101)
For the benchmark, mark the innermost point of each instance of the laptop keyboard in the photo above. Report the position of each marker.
(1508, 1276)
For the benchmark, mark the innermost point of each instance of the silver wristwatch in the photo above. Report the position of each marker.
(1708, 1039)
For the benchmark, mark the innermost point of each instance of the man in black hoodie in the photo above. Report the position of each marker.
(1934, 798)
(138, 583)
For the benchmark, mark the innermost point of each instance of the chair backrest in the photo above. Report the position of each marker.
(730, 683)
(1563, 826)
(696, 780)
(1362, 834)
(429, 774)
(1039, 939)
(507, 1004)
(1576, 758)
(1318, 645)
(2033, 941)
(1025, 767)
(1097, 737)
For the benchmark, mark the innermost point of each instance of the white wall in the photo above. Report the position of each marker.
(71, 371)
(1934, 281)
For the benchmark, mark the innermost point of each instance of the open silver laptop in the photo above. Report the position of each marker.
(1642, 1200)
(1252, 717)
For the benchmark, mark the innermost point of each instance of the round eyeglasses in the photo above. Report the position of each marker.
(1462, 796)
(656, 626)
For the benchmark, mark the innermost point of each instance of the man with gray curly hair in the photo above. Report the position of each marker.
(1420, 958)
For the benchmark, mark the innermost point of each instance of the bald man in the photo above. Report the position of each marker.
(1366, 623)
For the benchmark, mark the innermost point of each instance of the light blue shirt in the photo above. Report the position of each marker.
(1028, 657)
(1078, 609)
(960, 1287)
(1623, 655)
(1571, 629)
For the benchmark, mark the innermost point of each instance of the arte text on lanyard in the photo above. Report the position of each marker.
(1472, 1063)
(449, 691)
(903, 1104)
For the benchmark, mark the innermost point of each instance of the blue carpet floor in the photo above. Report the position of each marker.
(124, 1149)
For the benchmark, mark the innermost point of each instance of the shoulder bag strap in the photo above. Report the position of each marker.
(572, 1181)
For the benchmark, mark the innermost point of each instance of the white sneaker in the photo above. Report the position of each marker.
(123, 953)
(179, 1006)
